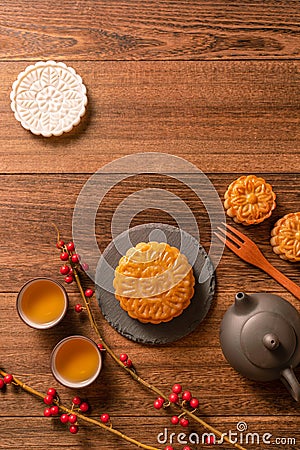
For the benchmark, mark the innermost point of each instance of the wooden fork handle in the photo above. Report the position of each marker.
(282, 279)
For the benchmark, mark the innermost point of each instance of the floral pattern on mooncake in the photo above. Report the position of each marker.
(48, 98)
(249, 200)
(154, 282)
(285, 238)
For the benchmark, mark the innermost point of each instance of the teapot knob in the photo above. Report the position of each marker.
(271, 341)
(241, 302)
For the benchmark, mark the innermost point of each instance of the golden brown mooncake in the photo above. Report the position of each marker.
(285, 238)
(249, 200)
(154, 282)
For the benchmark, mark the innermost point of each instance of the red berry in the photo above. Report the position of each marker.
(73, 429)
(168, 447)
(75, 258)
(71, 246)
(177, 388)
(100, 346)
(184, 422)
(128, 363)
(186, 396)
(84, 407)
(89, 293)
(64, 418)
(71, 271)
(48, 399)
(173, 397)
(47, 412)
(78, 308)
(76, 401)
(8, 378)
(64, 270)
(54, 410)
(64, 256)
(69, 279)
(51, 391)
(72, 418)
(194, 402)
(104, 418)
(123, 357)
(186, 447)
(158, 404)
(175, 420)
(85, 266)
(1, 383)
(60, 244)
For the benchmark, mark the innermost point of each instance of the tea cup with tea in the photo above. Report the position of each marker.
(42, 303)
(76, 361)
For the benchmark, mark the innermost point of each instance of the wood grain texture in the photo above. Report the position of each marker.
(34, 202)
(216, 83)
(30, 203)
(151, 427)
(149, 30)
(221, 116)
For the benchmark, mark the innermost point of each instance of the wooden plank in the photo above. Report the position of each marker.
(149, 30)
(152, 429)
(216, 83)
(220, 115)
(30, 204)
(203, 369)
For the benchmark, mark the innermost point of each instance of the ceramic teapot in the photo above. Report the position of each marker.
(260, 338)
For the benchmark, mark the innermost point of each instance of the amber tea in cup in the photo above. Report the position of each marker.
(76, 361)
(42, 303)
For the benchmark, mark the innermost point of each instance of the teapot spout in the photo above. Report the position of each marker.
(291, 383)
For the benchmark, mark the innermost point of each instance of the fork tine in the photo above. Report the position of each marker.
(232, 237)
(237, 232)
(220, 237)
(249, 252)
(227, 243)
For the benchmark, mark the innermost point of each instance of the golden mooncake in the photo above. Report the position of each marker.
(285, 238)
(154, 282)
(249, 200)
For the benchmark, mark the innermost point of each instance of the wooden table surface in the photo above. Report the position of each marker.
(216, 83)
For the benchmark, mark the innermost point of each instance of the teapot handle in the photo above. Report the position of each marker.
(291, 383)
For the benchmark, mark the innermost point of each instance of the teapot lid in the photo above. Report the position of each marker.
(268, 340)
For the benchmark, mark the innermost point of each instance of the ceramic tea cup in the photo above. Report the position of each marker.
(42, 303)
(76, 361)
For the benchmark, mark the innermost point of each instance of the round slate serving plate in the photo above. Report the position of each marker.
(178, 327)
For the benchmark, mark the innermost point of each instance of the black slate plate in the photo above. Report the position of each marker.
(178, 327)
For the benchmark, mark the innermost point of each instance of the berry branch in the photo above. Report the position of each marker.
(68, 254)
(72, 418)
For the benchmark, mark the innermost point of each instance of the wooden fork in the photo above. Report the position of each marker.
(247, 250)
